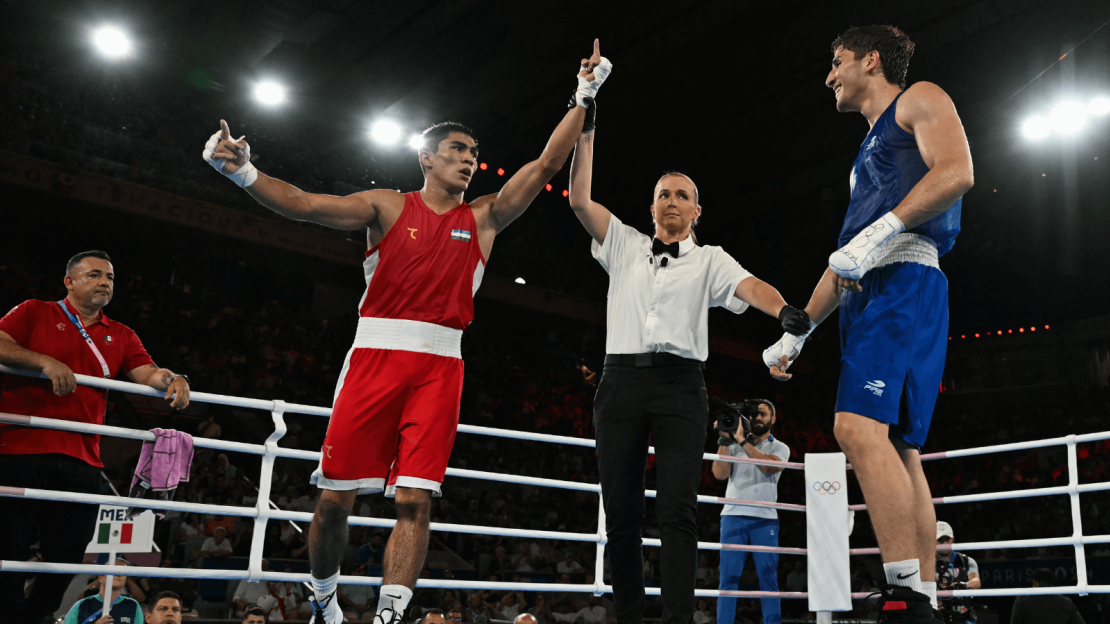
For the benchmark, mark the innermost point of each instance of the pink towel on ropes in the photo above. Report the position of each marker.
(165, 462)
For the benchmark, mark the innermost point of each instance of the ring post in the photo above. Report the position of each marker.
(599, 560)
(827, 533)
(265, 479)
(1076, 518)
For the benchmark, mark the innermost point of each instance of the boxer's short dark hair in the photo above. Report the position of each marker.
(894, 47)
(434, 135)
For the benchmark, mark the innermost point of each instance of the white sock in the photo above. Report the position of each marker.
(323, 588)
(904, 573)
(395, 597)
(930, 590)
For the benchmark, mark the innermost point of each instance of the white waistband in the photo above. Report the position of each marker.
(402, 335)
(907, 247)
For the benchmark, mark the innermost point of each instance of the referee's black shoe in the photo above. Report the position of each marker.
(902, 605)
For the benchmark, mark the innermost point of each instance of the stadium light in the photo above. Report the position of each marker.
(385, 132)
(269, 93)
(1036, 127)
(1068, 117)
(1099, 107)
(416, 141)
(111, 41)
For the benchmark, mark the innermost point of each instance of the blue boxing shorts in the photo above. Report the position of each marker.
(893, 339)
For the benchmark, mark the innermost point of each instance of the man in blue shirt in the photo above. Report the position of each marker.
(746, 524)
(90, 610)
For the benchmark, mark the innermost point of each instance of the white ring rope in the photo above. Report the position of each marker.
(270, 450)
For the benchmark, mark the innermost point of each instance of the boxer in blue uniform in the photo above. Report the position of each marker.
(907, 183)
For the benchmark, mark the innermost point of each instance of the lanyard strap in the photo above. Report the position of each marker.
(88, 340)
(96, 615)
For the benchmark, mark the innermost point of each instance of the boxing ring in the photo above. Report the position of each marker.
(269, 451)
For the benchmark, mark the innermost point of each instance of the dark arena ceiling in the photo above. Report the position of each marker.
(731, 93)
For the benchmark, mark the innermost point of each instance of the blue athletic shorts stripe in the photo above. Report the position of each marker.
(893, 340)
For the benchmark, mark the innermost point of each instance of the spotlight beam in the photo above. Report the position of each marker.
(111, 41)
(385, 132)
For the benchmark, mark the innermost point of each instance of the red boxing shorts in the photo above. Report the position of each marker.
(396, 409)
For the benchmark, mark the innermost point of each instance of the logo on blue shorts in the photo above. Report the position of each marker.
(875, 386)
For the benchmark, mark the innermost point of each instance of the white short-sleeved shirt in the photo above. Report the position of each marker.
(664, 309)
(748, 482)
(249, 592)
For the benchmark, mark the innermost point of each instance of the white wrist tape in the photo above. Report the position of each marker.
(244, 176)
(789, 345)
(588, 88)
(853, 260)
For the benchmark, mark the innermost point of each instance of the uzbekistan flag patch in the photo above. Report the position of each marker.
(463, 235)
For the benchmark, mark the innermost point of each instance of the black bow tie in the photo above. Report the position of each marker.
(658, 247)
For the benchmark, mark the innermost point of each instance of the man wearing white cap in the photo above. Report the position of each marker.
(955, 571)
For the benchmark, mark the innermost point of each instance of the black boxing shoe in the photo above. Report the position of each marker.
(902, 605)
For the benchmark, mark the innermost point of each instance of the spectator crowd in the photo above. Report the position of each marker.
(231, 344)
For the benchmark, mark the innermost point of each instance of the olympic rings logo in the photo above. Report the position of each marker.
(827, 487)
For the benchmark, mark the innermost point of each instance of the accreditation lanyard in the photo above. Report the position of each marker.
(88, 340)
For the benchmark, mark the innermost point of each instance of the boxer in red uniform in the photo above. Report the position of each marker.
(396, 405)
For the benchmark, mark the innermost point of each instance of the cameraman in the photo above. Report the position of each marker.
(745, 524)
(955, 570)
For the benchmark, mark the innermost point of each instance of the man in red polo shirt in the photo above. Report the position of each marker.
(60, 338)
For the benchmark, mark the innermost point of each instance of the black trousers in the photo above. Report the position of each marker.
(63, 530)
(667, 405)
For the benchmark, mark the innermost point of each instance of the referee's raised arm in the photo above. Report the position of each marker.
(594, 216)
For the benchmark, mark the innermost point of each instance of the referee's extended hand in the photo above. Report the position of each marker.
(794, 321)
(60, 375)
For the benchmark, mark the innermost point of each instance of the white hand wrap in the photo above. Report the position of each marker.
(853, 260)
(588, 88)
(789, 345)
(244, 176)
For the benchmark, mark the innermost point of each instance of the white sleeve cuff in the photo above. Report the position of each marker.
(735, 304)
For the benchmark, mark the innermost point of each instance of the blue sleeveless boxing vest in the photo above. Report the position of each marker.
(887, 167)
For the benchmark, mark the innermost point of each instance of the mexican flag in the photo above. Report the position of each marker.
(114, 532)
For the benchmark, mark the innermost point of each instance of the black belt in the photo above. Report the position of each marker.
(641, 360)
